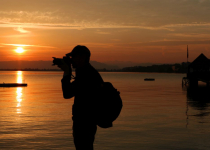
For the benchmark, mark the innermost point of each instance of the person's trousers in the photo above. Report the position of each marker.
(84, 135)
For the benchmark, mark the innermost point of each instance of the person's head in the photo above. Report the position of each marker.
(80, 56)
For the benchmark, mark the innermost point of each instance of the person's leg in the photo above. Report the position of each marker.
(84, 135)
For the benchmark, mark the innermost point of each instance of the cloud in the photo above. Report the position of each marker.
(25, 45)
(202, 1)
(101, 32)
(116, 40)
(27, 16)
(16, 25)
(21, 30)
(90, 25)
(171, 43)
(144, 14)
(191, 35)
(17, 36)
(130, 14)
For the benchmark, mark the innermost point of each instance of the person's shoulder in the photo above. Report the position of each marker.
(94, 73)
(91, 68)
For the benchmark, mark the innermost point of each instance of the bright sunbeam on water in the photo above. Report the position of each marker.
(19, 91)
(19, 77)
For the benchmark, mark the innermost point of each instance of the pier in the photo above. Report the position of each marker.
(13, 85)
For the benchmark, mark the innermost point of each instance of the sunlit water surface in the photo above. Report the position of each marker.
(156, 114)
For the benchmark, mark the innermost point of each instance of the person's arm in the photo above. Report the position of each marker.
(68, 87)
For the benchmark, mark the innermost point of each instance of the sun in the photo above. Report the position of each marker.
(19, 50)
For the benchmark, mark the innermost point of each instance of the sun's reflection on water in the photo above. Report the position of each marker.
(19, 77)
(19, 90)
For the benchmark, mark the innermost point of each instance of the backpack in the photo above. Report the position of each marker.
(109, 105)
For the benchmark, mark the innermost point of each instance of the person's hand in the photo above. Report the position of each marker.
(66, 68)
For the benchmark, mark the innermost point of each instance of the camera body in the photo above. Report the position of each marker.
(60, 61)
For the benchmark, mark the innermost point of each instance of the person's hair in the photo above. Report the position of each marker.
(81, 51)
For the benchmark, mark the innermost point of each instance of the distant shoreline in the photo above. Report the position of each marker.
(165, 68)
(57, 70)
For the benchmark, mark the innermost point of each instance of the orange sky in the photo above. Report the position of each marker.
(141, 31)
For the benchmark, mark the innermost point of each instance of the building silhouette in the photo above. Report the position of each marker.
(198, 70)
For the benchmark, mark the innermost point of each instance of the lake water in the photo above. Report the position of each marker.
(157, 115)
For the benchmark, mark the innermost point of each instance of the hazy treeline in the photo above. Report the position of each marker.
(163, 68)
(44, 65)
(168, 68)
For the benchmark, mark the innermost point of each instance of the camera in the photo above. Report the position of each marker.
(60, 61)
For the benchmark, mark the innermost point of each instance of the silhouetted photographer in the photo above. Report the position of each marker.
(95, 103)
(84, 89)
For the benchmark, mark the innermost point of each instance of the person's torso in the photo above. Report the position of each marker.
(87, 82)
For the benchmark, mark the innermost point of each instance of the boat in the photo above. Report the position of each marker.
(149, 79)
(13, 84)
